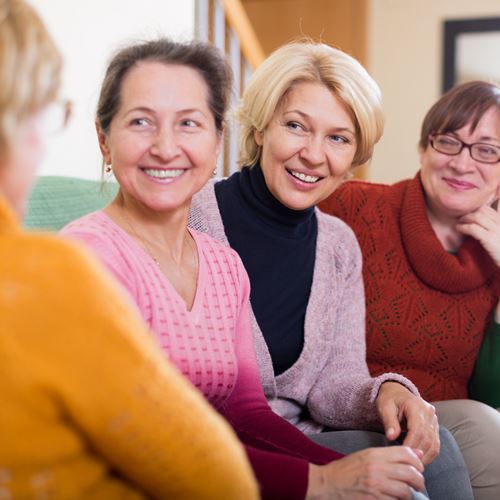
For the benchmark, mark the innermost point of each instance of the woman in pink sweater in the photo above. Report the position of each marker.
(160, 122)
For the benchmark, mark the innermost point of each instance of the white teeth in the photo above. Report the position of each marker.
(163, 174)
(304, 177)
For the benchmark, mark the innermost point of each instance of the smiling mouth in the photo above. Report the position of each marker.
(163, 173)
(309, 179)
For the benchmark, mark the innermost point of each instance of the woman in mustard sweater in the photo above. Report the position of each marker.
(72, 424)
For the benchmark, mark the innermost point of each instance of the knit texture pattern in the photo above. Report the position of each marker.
(427, 309)
(89, 407)
(329, 385)
(200, 341)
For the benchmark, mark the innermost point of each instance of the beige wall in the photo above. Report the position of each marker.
(404, 56)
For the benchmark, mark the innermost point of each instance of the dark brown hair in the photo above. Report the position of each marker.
(461, 105)
(204, 58)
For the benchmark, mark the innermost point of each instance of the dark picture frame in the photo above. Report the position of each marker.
(453, 29)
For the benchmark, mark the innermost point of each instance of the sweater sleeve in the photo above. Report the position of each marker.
(280, 453)
(485, 382)
(344, 394)
(133, 407)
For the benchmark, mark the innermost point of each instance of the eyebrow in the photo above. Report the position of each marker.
(481, 139)
(145, 109)
(305, 115)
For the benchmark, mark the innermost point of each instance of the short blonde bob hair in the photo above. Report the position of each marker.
(310, 62)
(30, 67)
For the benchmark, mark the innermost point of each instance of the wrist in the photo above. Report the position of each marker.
(316, 482)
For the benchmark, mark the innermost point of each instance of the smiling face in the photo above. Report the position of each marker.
(458, 185)
(162, 142)
(308, 146)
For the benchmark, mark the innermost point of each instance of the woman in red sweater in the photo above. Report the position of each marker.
(431, 249)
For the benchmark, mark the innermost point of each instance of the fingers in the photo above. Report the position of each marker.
(393, 471)
(388, 472)
(423, 429)
(388, 413)
(484, 226)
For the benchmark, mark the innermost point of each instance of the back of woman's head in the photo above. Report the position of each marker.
(204, 58)
(30, 67)
(310, 62)
(463, 104)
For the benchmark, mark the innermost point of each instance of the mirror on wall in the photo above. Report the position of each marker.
(471, 51)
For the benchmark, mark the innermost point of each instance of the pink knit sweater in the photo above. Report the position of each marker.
(211, 344)
(329, 385)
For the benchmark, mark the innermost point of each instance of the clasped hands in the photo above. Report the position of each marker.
(387, 472)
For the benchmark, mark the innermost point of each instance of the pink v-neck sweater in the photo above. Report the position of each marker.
(212, 345)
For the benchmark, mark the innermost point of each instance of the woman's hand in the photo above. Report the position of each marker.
(396, 405)
(372, 473)
(484, 226)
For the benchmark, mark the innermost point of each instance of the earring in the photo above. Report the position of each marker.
(108, 169)
(214, 172)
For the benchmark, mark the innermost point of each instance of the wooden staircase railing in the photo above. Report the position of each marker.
(225, 24)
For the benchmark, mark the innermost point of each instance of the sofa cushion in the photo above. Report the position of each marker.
(55, 200)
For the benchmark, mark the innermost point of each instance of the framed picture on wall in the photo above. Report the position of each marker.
(471, 51)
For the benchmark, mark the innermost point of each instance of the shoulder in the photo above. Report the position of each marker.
(90, 223)
(203, 207)
(337, 242)
(204, 213)
(55, 262)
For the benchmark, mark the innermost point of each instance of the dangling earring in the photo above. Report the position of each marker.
(108, 169)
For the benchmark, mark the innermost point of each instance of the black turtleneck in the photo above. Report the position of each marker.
(277, 246)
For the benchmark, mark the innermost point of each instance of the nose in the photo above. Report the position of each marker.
(165, 144)
(462, 162)
(313, 151)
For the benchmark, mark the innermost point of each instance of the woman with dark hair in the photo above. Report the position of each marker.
(431, 249)
(74, 423)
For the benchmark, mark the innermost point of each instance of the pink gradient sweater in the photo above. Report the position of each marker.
(212, 345)
(329, 385)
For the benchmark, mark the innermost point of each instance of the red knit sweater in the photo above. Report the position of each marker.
(427, 310)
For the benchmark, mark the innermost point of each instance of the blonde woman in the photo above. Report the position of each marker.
(73, 424)
(309, 115)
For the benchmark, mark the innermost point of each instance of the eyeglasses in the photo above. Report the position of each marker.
(56, 117)
(479, 151)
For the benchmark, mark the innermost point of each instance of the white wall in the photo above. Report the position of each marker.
(87, 32)
(405, 57)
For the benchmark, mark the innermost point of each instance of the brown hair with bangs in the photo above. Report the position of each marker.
(463, 104)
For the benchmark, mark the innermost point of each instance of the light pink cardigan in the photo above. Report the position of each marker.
(329, 385)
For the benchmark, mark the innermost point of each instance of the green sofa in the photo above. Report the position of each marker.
(55, 200)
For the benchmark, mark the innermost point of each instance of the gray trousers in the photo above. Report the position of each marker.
(476, 428)
(445, 478)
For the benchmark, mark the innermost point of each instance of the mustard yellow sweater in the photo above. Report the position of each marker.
(88, 406)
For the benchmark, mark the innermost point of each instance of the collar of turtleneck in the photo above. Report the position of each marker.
(256, 195)
(469, 268)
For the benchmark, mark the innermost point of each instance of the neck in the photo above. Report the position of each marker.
(159, 231)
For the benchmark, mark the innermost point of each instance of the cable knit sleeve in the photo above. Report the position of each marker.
(279, 452)
(344, 393)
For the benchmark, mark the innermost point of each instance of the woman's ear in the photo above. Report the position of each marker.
(258, 137)
(103, 146)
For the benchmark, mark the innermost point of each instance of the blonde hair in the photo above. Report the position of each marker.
(310, 62)
(30, 67)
